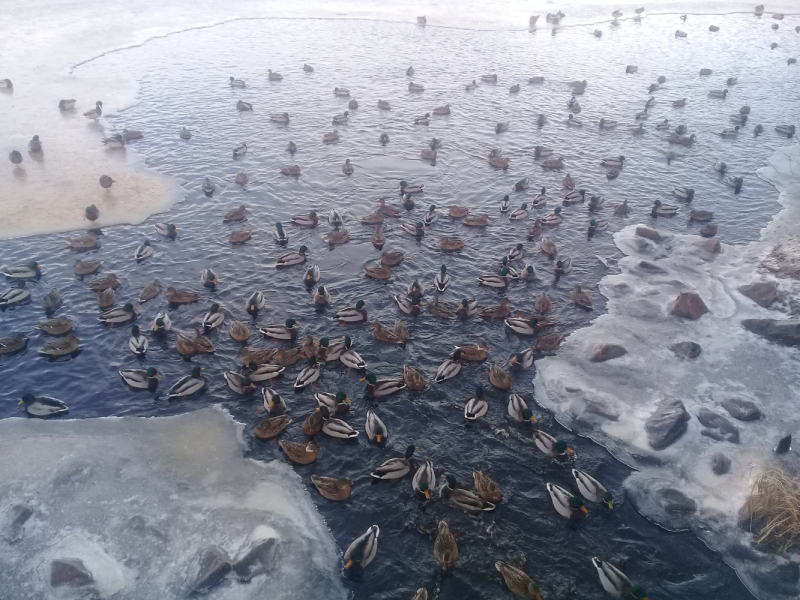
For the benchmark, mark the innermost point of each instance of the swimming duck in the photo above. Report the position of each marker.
(449, 368)
(613, 161)
(445, 549)
(502, 126)
(307, 220)
(408, 202)
(141, 379)
(181, 296)
(61, 347)
(309, 374)
(540, 199)
(499, 282)
(467, 308)
(616, 583)
(395, 468)
(287, 331)
(416, 229)
(208, 278)
(566, 504)
(378, 388)
(240, 384)
(12, 345)
(255, 303)
(595, 203)
(375, 428)
(336, 404)
(581, 298)
(573, 122)
(548, 247)
(471, 86)
(596, 225)
(406, 188)
(729, 133)
(663, 210)
(380, 273)
(499, 311)
(239, 331)
(518, 409)
(116, 316)
(43, 406)
(524, 359)
(185, 134)
(463, 499)
(520, 213)
(442, 110)
(240, 150)
(236, 83)
(516, 252)
(214, 318)
(535, 230)
(499, 378)
(188, 385)
(331, 137)
(243, 106)
(787, 130)
(143, 251)
(680, 34)
(518, 581)
(574, 197)
(96, 112)
(241, 178)
(549, 445)
(343, 92)
(735, 182)
(350, 358)
(106, 298)
(15, 296)
(357, 314)
(67, 104)
(622, 210)
(161, 323)
(639, 130)
(312, 275)
(718, 93)
(477, 406)
(607, 124)
(554, 218)
(523, 325)
(30, 270)
(701, 216)
(476, 221)
(663, 125)
(529, 273)
(591, 489)
(58, 326)
(409, 306)
(51, 300)
(758, 130)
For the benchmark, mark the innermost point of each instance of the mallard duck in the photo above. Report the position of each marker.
(138, 343)
(498, 282)
(535, 230)
(520, 213)
(274, 76)
(260, 356)
(739, 119)
(335, 404)
(241, 384)
(541, 120)
(322, 297)
(188, 385)
(423, 120)
(271, 428)
(382, 272)
(357, 314)
(52, 300)
(375, 428)
(565, 503)
(477, 406)
(287, 331)
(787, 130)
(181, 296)
(734, 182)
(82, 268)
(683, 193)
(291, 170)
(758, 130)
(430, 217)
(442, 280)
(161, 323)
(31, 270)
(408, 204)
(663, 210)
(503, 125)
(522, 184)
(440, 310)
(415, 289)
(96, 112)
(350, 358)
(67, 104)
(58, 326)
(416, 229)
(168, 230)
(424, 479)
(467, 308)
(240, 150)
(548, 247)
(616, 583)
(143, 251)
(255, 302)
(596, 225)
(499, 378)
(718, 93)
(272, 401)
(333, 488)
(12, 345)
(410, 306)
(239, 331)
(341, 119)
(607, 124)
(554, 218)
(476, 221)
(208, 278)
(622, 210)
(331, 137)
(311, 276)
(362, 550)
(43, 406)
(141, 379)
(291, 259)
(518, 581)
(487, 488)
(524, 359)
(308, 375)
(523, 325)
(463, 499)
(471, 86)
(185, 345)
(302, 454)
(116, 316)
(499, 311)
(237, 214)
(729, 133)
(308, 220)
(395, 468)
(61, 347)
(237, 83)
(214, 318)
(474, 353)
(445, 548)
(639, 130)
(518, 409)
(563, 266)
(591, 489)
(405, 189)
(243, 106)
(341, 91)
(449, 368)
(701, 216)
(549, 445)
(286, 358)
(442, 110)
(378, 388)
(574, 197)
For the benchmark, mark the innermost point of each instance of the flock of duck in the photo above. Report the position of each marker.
(265, 365)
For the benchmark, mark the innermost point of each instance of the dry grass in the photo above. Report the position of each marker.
(774, 508)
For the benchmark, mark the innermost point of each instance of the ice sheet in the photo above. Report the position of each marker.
(136, 499)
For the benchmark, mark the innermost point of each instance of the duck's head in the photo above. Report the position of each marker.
(562, 448)
(214, 308)
(276, 399)
(557, 210)
(657, 203)
(370, 378)
(360, 304)
(324, 342)
(135, 331)
(27, 399)
(451, 480)
(423, 487)
(506, 198)
(159, 325)
(504, 272)
(432, 208)
(128, 308)
(279, 226)
(524, 206)
(34, 266)
(152, 372)
(321, 291)
(303, 249)
(533, 322)
(420, 225)
(348, 343)
(342, 397)
(576, 503)
(98, 104)
(253, 366)
(527, 415)
(403, 183)
(638, 593)
(457, 353)
(593, 223)
(291, 323)
(608, 499)
(247, 383)
(518, 358)
(410, 451)
(443, 270)
(416, 302)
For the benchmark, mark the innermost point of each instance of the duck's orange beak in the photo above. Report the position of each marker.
(349, 564)
(570, 450)
(379, 439)
(584, 509)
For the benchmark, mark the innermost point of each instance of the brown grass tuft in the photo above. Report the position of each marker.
(774, 509)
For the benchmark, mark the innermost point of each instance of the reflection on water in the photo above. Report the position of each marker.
(183, 84)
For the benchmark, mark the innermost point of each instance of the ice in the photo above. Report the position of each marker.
(137, 500)
(611, 401)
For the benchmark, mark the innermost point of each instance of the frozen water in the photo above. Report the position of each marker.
(733, 363)
(136, 500)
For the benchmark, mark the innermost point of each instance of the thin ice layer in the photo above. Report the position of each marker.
(612, 401)
(136, 500)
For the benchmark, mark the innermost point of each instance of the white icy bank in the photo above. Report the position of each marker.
(612, 401)
(136, 500)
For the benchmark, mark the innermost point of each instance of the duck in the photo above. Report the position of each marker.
(529, 273)
(141, 379)
(185, 134)
(279, 235)
(423, 120)
(424, 479)
(341, 119)
(329, 352)
(302, 454)
(336, 404)
(241, 178)
(664, 125)
(208, 278)
(613, 161)
(168, 230)
(85, 242)
(477, 406)
(518, 214)
(409, 188)
(505, 205)
(239, 331)
(161, 323)
(573, 122)
(535, 230)
(596, 225)
(312, 275)
(758, 130)
(729, 133)
(718, 93)
(663, 210)
(449, 368)
(52, 300)
(445, 548)
(680, 34)
(518, 581)
(350, 358)
(499, 282)
(540, 199)
(541, 120)
(595, 203)
(240, 150)
(739, 119)
(282, 118)
(291, 259)
(643, 115)
(375, 428)
(523, 325)
(395, 468)
(214, 318)
(518, 409)
(549, 445)
(30, 270)
(616, 583)
(344, 92)
(499, 311)
(308, 375)
(442, 110)
(463, 499)
(236, 83)
(680, 103)
(96, 112)
(15, 296)
(499, 378)
(58, 326)
(416, 229)
(380, 273)
(330, 137)
(467, 308)
(378, 388)
(566, 504)
(67, 104)
(61, 347)
(735, 182)
(92, 213)
(243, 106)
(607, 124)
(308, 220)
(143, 251)
(516, 252)
(117, 316)
(111, 281)
(622, 210)
(503, 125)
(684, 193)
(476, 221)
(410, 306)
(524, 359)
(574, 197)
(548, 247)
(287, 331)
(255, 303)
(591, 489)
(356, 314)
(554, 218)
(12, 345)
(181, 296)
(787, 130)
(188, 385)
(701, 216)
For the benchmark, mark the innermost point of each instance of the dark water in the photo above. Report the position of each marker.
(184, 83)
